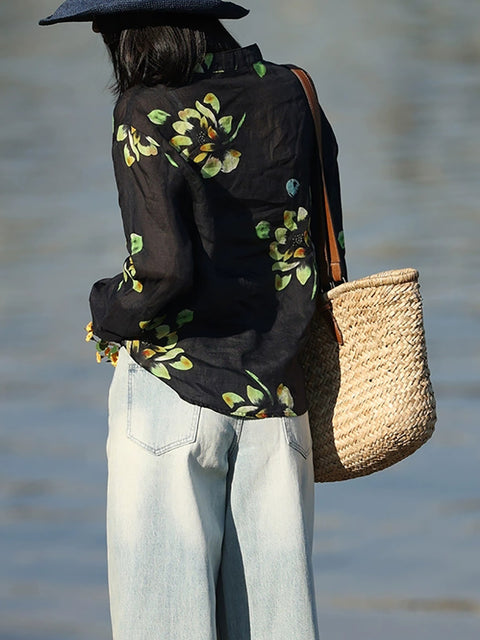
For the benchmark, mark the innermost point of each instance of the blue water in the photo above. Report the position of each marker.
(395, 554)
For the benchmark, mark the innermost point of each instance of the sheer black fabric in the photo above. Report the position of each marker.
(219, 286)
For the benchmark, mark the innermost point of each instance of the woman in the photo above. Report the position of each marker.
(210, 492)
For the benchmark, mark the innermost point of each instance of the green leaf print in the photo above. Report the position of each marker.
(225, 124)
(231, 399)
(302, 214)
(184, 364)
(244, 411)
(171, 160)
(284, 266)
(162, 331)
(151, 324)
(208, 60)
(181, 141)
(157, 116)
(260, 383)
(171, 354)
(188, 114)
(303, 273)
(281, 235)
(160, 370)
(239, 126)
(172, 340)
(254, 395)
(149, 149)
(129, 157)
(275, 253)
(230, 160)
(136, 243)
(205, 111)
(184, 317)
(212, 100)
(282, 282)
(260, 68)
(122, 133)
(263, 229)
(315, 283)
(182, 127)
(211, 168)
(285, 396)
(289, 220)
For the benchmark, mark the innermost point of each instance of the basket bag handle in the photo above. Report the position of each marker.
(330, 270)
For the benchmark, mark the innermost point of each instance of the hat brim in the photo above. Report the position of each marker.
(224, 10)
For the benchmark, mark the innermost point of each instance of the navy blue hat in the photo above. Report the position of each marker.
(87, 10)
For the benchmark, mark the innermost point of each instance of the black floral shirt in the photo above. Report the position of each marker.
(218, 289)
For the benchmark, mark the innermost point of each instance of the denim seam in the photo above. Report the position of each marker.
(293, 443)
(237, 428)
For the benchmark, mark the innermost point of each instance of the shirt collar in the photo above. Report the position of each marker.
(233, 60)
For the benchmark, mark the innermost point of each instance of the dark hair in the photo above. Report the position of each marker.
(150, 50)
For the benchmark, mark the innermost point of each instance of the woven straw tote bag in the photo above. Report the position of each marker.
(371, 402)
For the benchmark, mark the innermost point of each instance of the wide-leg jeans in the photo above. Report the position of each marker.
(209, 519)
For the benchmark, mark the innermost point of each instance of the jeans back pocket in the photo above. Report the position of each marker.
(298, 435)
(157, 418)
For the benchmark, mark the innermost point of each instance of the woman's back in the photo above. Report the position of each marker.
(214, 183)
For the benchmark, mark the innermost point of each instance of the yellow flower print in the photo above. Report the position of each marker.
(259, 401)
(104, 349)
(89, 330)
(206, 138)
(164, 353)
(129, 273)
(136, 144)
(289, 248)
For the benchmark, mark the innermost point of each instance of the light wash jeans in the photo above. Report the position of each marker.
(209, 519)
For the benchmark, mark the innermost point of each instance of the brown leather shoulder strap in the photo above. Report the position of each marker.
(331, 250)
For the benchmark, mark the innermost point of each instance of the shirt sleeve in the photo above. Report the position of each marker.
(155, 203)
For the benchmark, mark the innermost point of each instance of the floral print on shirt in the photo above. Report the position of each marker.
(204, 136)
(157, 357)
(129, 270)
(136, 144)
(165, 352)
(259, 400)
(289, 247)
(184, 140)
(104, 349)
(204, 66)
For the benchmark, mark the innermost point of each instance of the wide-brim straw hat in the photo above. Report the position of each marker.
(88, 10)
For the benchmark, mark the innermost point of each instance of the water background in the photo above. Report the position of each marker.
(396, 554)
